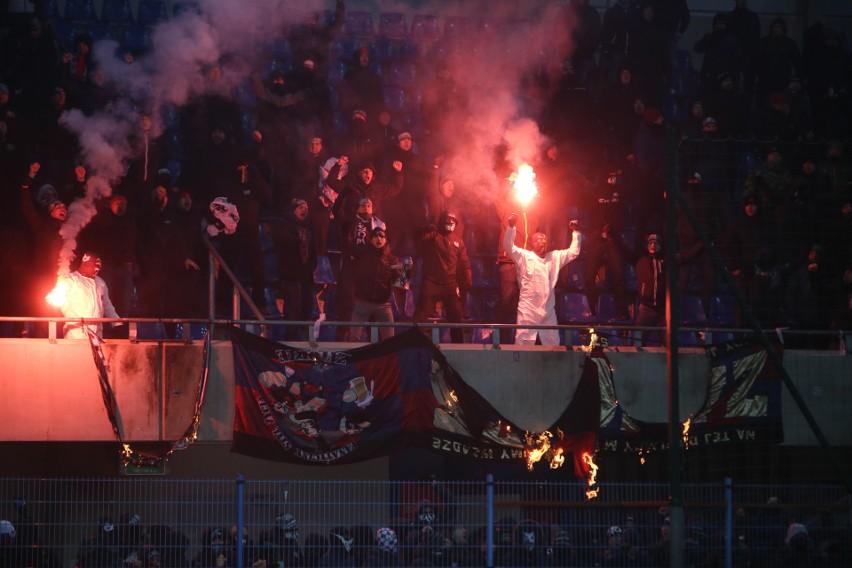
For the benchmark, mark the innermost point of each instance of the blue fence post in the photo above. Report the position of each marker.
(241, 485)
(729, 524)
(489, 512)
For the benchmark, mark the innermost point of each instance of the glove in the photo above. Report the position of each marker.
(513, 219)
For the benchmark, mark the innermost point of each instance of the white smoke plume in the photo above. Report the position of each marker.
(236, 36)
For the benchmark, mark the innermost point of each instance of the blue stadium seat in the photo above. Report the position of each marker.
(425, 28)
(336, 71)
(385, 49)
(689, 339)
(197, 331)
(80, 11)
(135, 38)
(50, 10)
(610, 337)
(170, 117)
(484, 272)
(182, 7)
(395, 99)
(151, 12)
(458, 28)
(65, 32)
(151, 331)
(629, 277)
(393, 25)
(245, 95)
(692, 310)
(281, 49)
(606, 308)
(489, 27)
(344, 46)
(405, 312)
(359, 23)
(402, 73)
(117, 12)
(573, 307)
(102, 30)
(722, 310)
(574, 275)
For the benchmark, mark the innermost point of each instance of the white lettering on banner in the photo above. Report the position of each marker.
(302, 355)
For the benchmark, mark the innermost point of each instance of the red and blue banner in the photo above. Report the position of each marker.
(742, 404)
(324, 408)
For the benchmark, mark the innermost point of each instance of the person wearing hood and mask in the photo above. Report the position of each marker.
(374, 270)
(651, 286)
(538, 271)
(776, 59)
(297, 259)
(446, 273)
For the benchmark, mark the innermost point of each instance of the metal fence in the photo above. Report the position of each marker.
(145, 521)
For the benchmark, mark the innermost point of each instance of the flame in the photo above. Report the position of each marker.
(56, 297)
(537, 447)
(557, 459)
(686, 432)
(524, 184)
(592, 491)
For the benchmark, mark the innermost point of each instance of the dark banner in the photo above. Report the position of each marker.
(743, 404)
(324, 408)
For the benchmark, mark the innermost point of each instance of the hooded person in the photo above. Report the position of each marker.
(297, 259)
(538, 271)
(446, 273)
(282, 542)
(375, 268)
(87, 296)
(216, 549)
(651, 285)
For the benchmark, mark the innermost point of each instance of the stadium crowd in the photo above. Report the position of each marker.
(343, 173)
(430, 536)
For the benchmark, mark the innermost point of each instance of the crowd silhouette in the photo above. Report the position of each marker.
(333, 112)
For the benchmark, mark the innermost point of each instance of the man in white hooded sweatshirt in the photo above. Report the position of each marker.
(538, 271)
(87, 297)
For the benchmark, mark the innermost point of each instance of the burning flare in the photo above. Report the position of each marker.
(592, 491)
(56, 297)
(524, 183)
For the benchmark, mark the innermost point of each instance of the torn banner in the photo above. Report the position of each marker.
(743, 404)
(326, 408)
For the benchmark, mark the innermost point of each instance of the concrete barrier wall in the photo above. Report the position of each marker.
(51, 391)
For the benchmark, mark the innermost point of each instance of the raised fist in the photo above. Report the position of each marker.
(574, 225)
(513, 219)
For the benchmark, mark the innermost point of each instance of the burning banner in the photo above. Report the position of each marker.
(326, 408)
(743, 405)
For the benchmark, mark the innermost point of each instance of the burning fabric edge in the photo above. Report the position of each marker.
(297, 406)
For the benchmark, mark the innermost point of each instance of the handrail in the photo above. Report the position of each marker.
(434, 327)
(214, 254)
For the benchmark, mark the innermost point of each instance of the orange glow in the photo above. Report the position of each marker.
(524, 184)
(686, 432)
(557, 459)
(591, 492)
(537, 447)
(56, 297)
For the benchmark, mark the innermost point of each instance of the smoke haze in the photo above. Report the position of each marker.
(489, 70)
